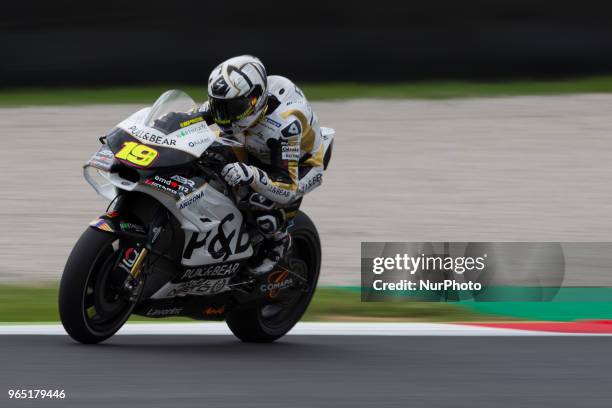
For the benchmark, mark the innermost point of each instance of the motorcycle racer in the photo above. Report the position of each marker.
(285, 153)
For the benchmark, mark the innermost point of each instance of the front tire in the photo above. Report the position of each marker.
(90, 307)
(262, 324)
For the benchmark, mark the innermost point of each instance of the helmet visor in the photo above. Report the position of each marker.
(226, 111)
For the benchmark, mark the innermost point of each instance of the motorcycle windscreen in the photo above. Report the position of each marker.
(171, 133)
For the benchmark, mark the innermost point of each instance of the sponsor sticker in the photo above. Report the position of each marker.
(191, 199)
(164, 312)
(200, 287)
(212, 271)
(198, 142)
(278, 191)
(129, 257)
(214, 311)
(273, 122)
(103, 159)
(190, 131)
(191, 121)
(183, 180)
(130, 227)
(101, 225)
(312, 183)
(293, 129)
(277, 281)
(290, 152)
(147, 136)
(171, 186)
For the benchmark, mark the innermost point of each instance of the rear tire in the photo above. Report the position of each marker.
(89, 310)
(252, 325)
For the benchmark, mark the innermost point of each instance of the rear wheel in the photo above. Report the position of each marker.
(91, 303)
(273, 319)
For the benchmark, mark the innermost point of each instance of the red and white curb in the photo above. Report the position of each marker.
(348, 329)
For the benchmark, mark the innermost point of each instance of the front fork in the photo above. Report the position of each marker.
(143, 239)
(133, 284)
(137, 267)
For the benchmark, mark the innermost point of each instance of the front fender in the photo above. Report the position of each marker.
(121, 225)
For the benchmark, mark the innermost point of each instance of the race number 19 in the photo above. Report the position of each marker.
(136, 153)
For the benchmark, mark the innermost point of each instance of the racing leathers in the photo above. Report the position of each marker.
(285, 154)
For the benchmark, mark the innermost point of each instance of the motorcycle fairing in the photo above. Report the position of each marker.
(193, 139)
(213, 225)
(215, 232)
(219, 234)
(200, 308)
(120, 225)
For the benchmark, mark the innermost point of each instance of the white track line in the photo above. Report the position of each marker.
(304, 328)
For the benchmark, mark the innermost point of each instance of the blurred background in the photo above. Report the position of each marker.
(68, 43)
(466, 120)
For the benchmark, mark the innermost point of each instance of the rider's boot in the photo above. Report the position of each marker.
(274, 247)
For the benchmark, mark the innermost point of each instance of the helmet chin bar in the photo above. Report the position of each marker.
(243, 124)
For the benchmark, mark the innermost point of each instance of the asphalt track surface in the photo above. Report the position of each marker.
(311, 371)
(503, 169)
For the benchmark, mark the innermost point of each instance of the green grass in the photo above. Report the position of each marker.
(457, 89)
(327, 91)
(28, 304)
(39, 304)
(336, 304)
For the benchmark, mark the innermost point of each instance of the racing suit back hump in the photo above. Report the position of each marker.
(286, 144)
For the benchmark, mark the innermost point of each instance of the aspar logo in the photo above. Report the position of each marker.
(195, 197)
(164, 312)
(277, 281)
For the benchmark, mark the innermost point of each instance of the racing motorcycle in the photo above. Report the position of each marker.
(175, 238)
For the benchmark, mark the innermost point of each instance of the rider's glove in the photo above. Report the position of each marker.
(238, 173)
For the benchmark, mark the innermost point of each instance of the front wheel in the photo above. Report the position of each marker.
(90, 303)
(273, 319)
